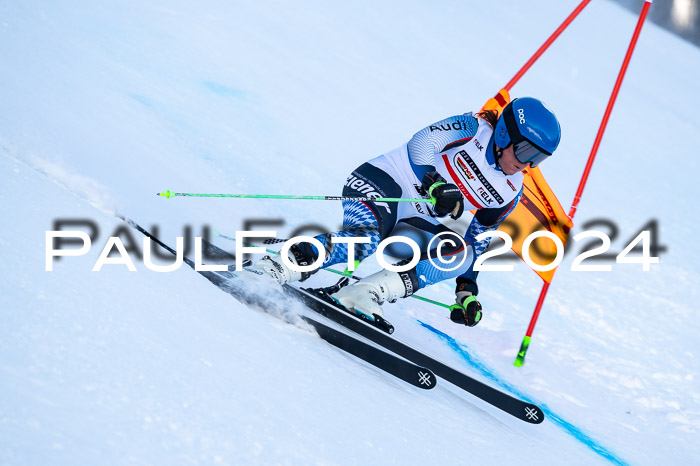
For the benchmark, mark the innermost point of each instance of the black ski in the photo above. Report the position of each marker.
(325, 306)
(388, 362)
(404, 370)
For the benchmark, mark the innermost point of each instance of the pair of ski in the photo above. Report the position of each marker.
(399, 359)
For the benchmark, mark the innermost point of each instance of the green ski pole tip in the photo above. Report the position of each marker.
(520, 358)
(167, 194)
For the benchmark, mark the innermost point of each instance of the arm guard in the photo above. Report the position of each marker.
(438, 137)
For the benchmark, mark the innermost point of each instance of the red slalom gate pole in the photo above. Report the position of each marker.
(609, 108)
(546, 44)
(520, 359)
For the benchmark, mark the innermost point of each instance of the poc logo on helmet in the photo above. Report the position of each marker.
(521, 115)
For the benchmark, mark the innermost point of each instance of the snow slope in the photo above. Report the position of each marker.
(106, 104)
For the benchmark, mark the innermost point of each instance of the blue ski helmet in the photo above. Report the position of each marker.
(531, 127)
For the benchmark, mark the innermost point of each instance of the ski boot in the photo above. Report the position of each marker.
(366, 296)
(277, 272)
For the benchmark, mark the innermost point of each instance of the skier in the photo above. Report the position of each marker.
(465, 162)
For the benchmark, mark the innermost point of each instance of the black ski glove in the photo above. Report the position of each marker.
(446, 197)
(467, 311)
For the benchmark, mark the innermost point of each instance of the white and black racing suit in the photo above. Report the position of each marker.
(459, 148)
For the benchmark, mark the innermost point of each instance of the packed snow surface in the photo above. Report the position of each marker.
(105, 104)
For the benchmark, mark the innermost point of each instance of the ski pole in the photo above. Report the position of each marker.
(168, 194)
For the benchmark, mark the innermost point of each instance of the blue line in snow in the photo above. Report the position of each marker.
(571, 429)
(142, 100)
(220, 89)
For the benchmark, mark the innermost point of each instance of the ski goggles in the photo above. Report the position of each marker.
(527, 152)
